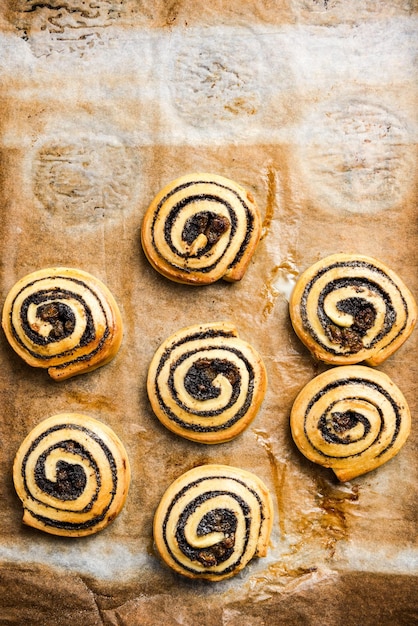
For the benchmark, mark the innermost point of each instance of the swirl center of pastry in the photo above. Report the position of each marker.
(217, 521)
(361, 311)
(58, 318)
(205, 378)
(62, 479)
(207, 537)
(344, 427)
(203, 230)
(351, 313)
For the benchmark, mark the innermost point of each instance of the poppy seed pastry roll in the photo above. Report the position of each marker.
(205, 383)
(64, 320)
(351, 308)
(200, 228)
(212, 521)
(352, 419)
(72, 475)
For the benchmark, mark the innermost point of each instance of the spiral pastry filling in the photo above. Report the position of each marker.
(201, 228)
(347, 309)
(206, 384)
(72, 475)
(351, 419)
(212, 521)
(63, 320)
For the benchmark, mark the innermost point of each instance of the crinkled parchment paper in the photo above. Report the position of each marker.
(311, 105)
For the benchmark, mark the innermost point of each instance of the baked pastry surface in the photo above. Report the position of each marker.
(64, 320)
(72, 475)
(351, 308)
(205, 383)
(200, 228)
(212, 521)
(352, 419)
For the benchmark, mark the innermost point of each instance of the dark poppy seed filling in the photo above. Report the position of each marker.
(71, 526)
(207, 333)
(343, 422)
(191, 226)
(60, 317)
(362, 312)
(70, 484)
(70, 477)
(206, 223)
(335, 426)
(198, 380)
(217, 520)
(209, 224)
(53, 309)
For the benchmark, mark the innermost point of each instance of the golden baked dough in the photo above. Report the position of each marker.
(72, 474)
(64, 320)
(212, 521)
(206, 384)
(351, 308)
(200, 228)
(351, 418)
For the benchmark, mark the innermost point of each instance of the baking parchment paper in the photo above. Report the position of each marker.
(309, 104)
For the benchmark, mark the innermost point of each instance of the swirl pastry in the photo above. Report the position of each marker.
(350, 308)
(206, 384)
(351, 418)
(201, 228)
(212, 521)
(72, 475)
(64, 320)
